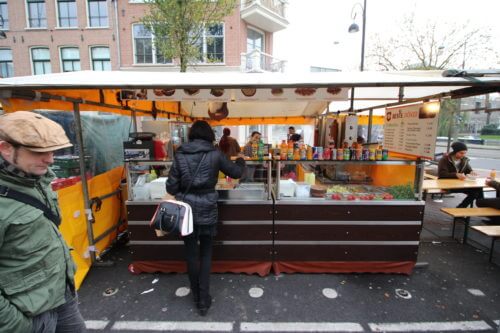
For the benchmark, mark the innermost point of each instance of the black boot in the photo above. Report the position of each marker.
(196, 296)
(204, 305)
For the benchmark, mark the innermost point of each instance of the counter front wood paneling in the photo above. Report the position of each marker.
(245, 233)
(346, 233)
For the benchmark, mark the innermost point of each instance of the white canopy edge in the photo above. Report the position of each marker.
(134, 80)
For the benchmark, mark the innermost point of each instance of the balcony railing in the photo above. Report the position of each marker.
(276, 6)
(257, 61)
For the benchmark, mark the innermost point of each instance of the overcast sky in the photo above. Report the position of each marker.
(317, 34)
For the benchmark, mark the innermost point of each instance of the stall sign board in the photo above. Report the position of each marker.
(411, 129)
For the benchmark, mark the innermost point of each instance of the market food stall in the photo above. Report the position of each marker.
(373, 232)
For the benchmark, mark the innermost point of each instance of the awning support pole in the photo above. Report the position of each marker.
(89, 218)
(401, 94)
(351, 109)
(450, 129)
(134, 120)
(370, 124)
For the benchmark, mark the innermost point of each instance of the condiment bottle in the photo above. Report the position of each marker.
(283, 150)
(309, 154)
(493, 174)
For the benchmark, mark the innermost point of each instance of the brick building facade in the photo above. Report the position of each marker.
(48, 36)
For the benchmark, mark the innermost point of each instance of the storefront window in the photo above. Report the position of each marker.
(70, 58)
(67, 13)
(100, 58)
(211, 44)
(6, 66)
(98, 13)
(145, 48)
(4, 12)
(37, 17)
(41, 60)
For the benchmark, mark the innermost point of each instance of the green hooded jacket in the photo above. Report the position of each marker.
(35, 262)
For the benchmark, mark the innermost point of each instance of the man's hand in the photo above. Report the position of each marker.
(461, 176)
(489, 182)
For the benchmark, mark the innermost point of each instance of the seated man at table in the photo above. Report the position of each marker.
(491, 202)
(456, 165)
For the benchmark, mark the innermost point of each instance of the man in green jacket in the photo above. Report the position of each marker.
(37, 292)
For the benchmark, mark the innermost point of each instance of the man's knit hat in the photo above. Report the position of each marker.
(458, 146)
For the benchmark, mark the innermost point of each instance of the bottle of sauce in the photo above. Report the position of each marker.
(255, 148)
(283, 150)
(309, 154)
(303, 152)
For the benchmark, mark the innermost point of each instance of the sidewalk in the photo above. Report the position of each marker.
(458, 291)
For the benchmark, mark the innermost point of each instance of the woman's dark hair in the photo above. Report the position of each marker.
(201, 130)
(295, 137)
(224, 142)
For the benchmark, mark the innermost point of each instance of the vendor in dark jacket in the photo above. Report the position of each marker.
(491, 202)
(202, 197)
(456, 165)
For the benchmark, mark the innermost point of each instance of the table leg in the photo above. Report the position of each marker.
(466, 228)
(453, 230)
(493, 239)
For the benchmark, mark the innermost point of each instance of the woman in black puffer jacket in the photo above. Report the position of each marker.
(202, 197)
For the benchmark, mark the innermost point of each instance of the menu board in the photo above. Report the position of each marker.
(411, 129)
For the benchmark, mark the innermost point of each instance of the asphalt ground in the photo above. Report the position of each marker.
(455, 290)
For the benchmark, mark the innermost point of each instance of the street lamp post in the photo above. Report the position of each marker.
(355, 28)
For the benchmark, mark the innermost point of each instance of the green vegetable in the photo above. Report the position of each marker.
(401, 191)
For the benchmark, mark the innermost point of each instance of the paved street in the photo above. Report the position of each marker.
(458, 291)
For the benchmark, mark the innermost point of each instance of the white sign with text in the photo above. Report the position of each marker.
(411, 129)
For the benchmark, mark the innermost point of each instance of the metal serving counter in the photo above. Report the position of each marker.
(257, 234)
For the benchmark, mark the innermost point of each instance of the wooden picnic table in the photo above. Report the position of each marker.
(454, 184)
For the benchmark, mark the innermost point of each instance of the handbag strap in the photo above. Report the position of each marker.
(29, 200)
(194, 176)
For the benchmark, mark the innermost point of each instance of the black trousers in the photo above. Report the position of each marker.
(199, 264)
(472, 194)
(491, 202)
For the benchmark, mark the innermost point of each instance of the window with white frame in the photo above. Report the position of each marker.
(98, 13)
(70, 59)
(37, 17)
(211, 44)
(6, 65)
(66, 10)
(145, 50)
(101, 60)
(40, 56)
(4, 12)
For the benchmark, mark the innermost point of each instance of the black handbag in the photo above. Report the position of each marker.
(169, 214)
(168, 218)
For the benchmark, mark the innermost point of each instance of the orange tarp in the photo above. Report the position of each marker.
(108, 96)
(74, 226)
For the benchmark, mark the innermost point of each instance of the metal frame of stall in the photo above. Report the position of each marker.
(29, 92)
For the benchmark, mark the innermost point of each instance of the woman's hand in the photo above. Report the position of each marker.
(461, 176)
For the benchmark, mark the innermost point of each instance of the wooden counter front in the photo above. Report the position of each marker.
(369, 236)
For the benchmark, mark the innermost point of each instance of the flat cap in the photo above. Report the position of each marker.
(33, 131)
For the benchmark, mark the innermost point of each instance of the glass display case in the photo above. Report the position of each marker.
(146, 179)
(354, 181)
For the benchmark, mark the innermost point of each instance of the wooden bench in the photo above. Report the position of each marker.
(467, 213)
(492, 231)
(429, 176)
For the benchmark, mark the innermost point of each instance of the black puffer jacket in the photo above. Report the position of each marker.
(202, 195)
